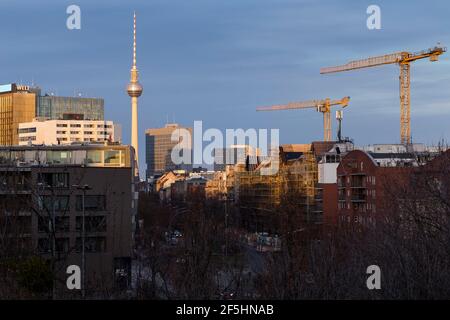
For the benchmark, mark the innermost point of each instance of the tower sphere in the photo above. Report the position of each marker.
(134, 89)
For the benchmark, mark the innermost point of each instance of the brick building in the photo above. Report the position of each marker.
(365, 180)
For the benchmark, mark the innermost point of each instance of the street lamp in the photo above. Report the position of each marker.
(52, 228)
(83, 188)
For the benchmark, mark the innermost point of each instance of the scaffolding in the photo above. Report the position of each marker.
(266, 193)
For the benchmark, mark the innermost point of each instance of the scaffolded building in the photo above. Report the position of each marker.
(260, 197)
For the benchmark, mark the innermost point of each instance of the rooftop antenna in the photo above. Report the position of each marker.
(339, 117)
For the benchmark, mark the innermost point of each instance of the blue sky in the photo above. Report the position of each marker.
(217, 61)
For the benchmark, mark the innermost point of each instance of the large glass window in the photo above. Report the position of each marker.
(94, 156)
(112, 157)
(59, 156)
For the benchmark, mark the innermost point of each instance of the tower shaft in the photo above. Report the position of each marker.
(134, 126)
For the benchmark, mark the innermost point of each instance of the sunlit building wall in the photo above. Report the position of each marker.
(17, 104)
(68, 131)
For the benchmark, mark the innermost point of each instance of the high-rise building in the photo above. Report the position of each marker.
(159, 145)
(17, 104)
(48, 132)
(134, 90)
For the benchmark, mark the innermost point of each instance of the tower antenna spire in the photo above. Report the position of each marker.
(134, 40)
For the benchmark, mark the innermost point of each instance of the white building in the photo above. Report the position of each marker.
(48, 132)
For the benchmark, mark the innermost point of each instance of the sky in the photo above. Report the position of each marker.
(216, 61)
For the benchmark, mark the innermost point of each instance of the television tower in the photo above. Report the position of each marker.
(134, 90)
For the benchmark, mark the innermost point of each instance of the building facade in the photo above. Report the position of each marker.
(159, 146)
(366, 182)
(41, 188)
(48, 132)
(17, 105)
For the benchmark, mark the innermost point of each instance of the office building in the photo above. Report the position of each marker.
(159, 147)
(48, 132)
(17, 104)
(20, 103)
(69, 108)
(39, 183)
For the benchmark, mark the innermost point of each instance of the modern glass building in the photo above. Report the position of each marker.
(69, 108)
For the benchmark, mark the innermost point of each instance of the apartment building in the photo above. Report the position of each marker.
(365, 180)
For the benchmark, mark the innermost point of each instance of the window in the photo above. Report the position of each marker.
(61, 132)
(27, 130)
(76, 125)
(91, 203)
(112, 157)
(44, 245)
(61, 125)
(62, 224)
(88, 132)
(74, 132)
(92, 244)
(92, 224)
(31, 138)
(62, 245)
(94, 156)
(54, 179)
(57, 203)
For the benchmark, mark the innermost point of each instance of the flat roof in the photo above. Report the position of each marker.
(82, 146)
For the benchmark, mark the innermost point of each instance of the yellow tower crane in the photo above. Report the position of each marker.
(403, 59)
(323, 106)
